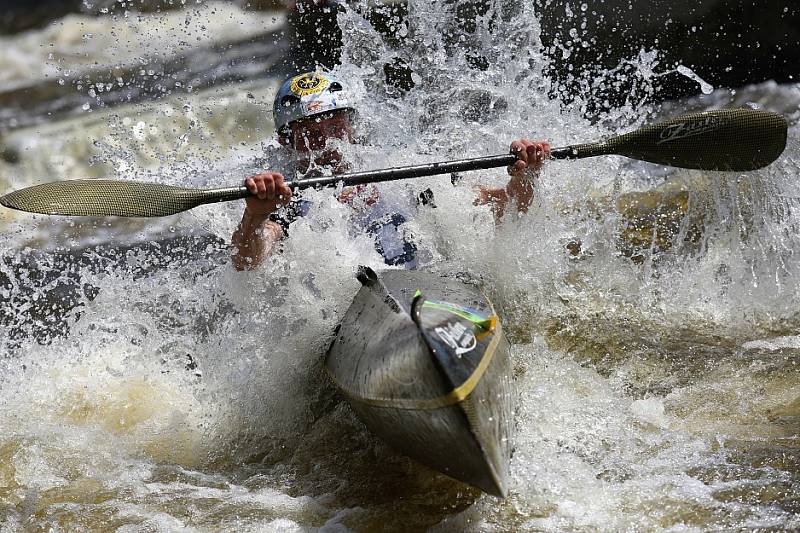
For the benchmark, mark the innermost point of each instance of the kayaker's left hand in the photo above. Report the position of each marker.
(531, 156)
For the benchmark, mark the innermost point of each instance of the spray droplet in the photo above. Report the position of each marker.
(705, 87)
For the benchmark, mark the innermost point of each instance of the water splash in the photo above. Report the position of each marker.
(705, 87)
(651, 348)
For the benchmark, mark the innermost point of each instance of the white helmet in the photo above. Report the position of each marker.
(306, 95)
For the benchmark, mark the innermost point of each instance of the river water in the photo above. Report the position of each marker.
(147, 386)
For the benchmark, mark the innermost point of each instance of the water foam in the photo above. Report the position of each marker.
(630, 414)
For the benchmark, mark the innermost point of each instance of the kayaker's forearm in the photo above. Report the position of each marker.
(254, 240)
(519, 192)
(520, 189)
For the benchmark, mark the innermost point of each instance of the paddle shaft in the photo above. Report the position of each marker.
(401, 173)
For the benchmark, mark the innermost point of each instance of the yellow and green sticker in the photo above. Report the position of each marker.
(487, 324)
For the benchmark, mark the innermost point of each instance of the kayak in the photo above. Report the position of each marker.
(423, 362)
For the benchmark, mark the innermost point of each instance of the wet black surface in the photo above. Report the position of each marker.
(727, 43)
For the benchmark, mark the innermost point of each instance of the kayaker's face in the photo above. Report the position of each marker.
(311, 135)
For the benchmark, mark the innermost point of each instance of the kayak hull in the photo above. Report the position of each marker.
(450, 411)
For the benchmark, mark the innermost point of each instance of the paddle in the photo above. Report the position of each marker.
(725, 140)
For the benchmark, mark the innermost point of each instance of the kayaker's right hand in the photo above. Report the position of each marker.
(270, 192)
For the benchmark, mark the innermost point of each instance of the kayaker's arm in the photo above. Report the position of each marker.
(531, 156)
(256, 235)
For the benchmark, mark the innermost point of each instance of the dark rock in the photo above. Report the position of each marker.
(263, 5)
(21, 15)
(9, 155)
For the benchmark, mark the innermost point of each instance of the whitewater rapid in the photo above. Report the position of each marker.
(655, 392)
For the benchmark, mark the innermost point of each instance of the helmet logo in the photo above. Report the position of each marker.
(308, 84)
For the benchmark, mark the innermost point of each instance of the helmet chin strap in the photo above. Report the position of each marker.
(311, 166)
(332, 156)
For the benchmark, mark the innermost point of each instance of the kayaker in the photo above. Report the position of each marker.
(310, 110)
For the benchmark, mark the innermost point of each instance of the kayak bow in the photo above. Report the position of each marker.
(424, 363)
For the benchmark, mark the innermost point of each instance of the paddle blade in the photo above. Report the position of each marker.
(104, 198)
(727, 140)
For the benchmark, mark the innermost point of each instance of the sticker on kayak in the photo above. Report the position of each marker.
(483, 323)
(458, 335)
(308, 84)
